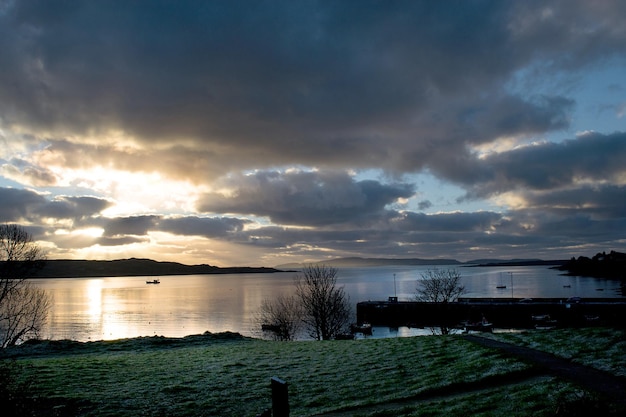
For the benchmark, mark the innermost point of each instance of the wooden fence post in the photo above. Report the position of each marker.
(280, 398)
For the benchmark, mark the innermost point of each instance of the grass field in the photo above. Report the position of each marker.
(228, 375)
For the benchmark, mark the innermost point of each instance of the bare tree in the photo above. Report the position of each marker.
(281, 317)
(441, 286)
(326, 306)
(23, 308)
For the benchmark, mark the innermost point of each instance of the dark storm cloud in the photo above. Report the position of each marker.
(424, 204)
(463, 236)
(551, 166)
(18, 205)
(199, 226)
(305, 198)
(457, 222)
(602, 202)
(25, 205)
(368, 83)
(588, 229)
(134, 225)
(511, 116)
(66, 207)
(391, 233)
(119, 240)
(118, 229)
(567, 233)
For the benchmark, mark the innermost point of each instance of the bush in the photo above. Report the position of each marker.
(15, 398)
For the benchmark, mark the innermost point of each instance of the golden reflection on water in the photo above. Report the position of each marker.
(122, 307)
(93, 291)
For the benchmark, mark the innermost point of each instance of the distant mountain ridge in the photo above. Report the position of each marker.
(389, 261)
(517, 262)
(352, 262)
(148, 267)
(133, 267)
(355, 262)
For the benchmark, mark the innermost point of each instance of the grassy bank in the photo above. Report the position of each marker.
(228, 375)
(601, 348)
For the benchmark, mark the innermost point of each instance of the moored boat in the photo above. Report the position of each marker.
(482, 326)
(364, 328)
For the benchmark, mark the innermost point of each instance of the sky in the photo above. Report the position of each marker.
(260, 133)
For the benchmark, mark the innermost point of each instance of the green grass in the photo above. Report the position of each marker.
(537, 398)
(601, 348)
(228, 375)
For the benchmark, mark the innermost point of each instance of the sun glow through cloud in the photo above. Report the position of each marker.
(134, 192)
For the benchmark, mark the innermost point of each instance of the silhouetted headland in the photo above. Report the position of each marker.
(134, 267)
(601, 265)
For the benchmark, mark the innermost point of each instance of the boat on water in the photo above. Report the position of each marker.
(365, 328)
(501, 286)
(544, 322)
(481, 326)
(154, 281)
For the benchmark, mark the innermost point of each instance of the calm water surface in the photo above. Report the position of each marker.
(119, 307)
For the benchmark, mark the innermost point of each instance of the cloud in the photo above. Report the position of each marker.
(26, 173)
(274, 83)
(216, 227)
(450, 222)
(592, 157)
(596, 214)
(119, 241)
(305, 198)
(25, 205)
(275, 112)
(135, 225)
(424, 204)
(599, 202)
(77, 208)
(18, 205)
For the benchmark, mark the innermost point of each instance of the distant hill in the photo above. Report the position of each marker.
(355, 262)
(516, 262)
(133, 267)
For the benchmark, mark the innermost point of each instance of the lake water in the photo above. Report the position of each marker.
(121, 307)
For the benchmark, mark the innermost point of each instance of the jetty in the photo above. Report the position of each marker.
(500, 312)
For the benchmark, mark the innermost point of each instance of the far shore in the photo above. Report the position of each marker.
(135, 267)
